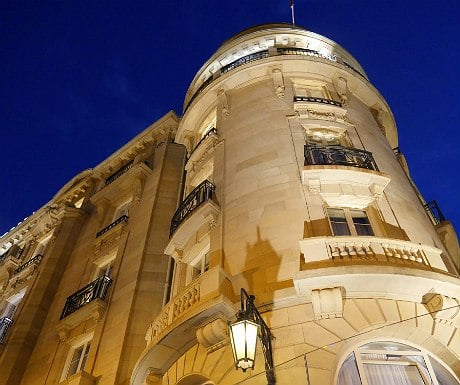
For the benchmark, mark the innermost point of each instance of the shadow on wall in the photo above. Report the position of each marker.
(260, 273)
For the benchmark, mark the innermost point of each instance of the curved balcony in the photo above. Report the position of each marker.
(338, 155)
(202, 193)
(263, 54)
(387, 268)
(174, 330)
(345, 177)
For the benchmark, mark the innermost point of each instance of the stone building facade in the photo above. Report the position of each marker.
(282, 177)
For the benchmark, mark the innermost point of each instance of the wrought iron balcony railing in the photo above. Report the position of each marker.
(123, 218)
(5, 323)
(119, 172)
(200, 194)
(207, 135)
(244, 60)
(37, 259)
(434, 212)
(265, 54)
(338, 155)
(313, 99)
(95, 290)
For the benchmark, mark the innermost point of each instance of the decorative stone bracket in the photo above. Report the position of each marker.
(443, 309)
(213, 335)
(278, 82)
(223, 101)
(327, 302)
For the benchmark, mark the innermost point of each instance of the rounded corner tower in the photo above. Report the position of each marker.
(295, 190)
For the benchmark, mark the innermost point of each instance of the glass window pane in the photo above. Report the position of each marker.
(85, 356)
(338, 222)
(361, 222)
(393, 374)
(73, 367)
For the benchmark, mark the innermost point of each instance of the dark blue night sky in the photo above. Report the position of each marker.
(78, 79)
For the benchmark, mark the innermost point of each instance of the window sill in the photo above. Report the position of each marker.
(80, 378)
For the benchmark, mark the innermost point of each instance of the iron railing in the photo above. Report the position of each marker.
(95, 290)
(37, 259)
(5, 323)
(123, 218)
(313, 99)
(200, 194)
(264, 54)
(434, 212)
(338, 155)
(244, 60)
(207, 135)
(119, 172)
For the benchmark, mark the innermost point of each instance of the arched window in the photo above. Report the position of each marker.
(383, 363)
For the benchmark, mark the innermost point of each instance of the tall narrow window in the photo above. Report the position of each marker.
(338, 222)
(77, 358)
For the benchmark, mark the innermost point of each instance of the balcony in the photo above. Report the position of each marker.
(312, 99)
(202, 193)
(368, 265)
(434, 212)
(122, 219)
(95, 290)
(211, 132)
(35, 261)
(345, 177)
(208, 298)
(338, 155)
(280, 51)
(119, 172)
(5, 323)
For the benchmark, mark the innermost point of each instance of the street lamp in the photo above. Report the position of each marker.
(243, 337)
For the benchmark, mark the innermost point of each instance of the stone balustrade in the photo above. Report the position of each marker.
(371, 249)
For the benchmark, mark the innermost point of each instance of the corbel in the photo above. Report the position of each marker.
(223, 102)
(278, 82)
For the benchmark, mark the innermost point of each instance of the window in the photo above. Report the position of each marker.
(106, 269)
(122, 210)
(198, 266)
(349, 222)
(77, 358)
(382, 363)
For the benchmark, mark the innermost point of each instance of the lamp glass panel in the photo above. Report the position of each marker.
(244, 339)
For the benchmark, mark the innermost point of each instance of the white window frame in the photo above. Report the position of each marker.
(349, 221)
(103, 263)
(85, 343)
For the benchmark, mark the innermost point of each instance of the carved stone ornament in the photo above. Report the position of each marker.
(278, 82)
(443, 309)
(223, 101)
(213, 335)
(152, 377)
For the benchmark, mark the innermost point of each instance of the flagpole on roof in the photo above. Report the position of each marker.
(292, 11)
